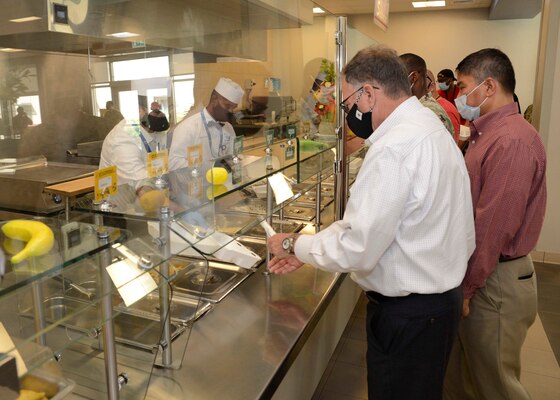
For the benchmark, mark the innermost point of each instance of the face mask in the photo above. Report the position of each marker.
(443, 86)
(359, 123)
(469, 113)
(412, 84)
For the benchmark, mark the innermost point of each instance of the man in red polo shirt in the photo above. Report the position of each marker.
(506, 161)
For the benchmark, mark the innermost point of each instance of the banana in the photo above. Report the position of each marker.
(39, 238)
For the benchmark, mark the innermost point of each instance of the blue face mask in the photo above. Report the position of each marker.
(469, 113)
(443, 86)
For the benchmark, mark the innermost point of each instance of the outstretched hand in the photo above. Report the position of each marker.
(284, 265)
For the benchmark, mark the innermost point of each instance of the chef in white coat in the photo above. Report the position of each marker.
(207, 135)
(127, 146)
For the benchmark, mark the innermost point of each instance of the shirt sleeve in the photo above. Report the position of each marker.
(371, 220)
(507, 173)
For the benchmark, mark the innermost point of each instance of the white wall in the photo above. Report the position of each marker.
(444, 38)
(549, 88)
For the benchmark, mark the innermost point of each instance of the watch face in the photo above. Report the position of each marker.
(286, 244)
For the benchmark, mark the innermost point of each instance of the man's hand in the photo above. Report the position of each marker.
(466, 309)
(284, 265)
(275, 245)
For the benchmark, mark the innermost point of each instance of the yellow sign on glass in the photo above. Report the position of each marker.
(194, 155)
(105, 182)
(158, 163)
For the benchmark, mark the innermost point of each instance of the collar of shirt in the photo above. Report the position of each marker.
(210, 119)
(409, 105)
(487, 122)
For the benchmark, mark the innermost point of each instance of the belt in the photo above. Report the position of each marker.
(507, 258)
(379, 298)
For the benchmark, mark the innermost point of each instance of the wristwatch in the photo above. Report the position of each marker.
(289, 242)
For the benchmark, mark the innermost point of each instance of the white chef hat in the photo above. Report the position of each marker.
(230, 90)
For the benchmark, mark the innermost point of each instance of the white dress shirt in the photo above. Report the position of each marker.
(124, 148)
(408, 226)
(216, 139)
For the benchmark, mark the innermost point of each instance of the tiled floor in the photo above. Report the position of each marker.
(345, 376)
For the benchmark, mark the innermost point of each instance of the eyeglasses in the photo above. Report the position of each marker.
(345, 107)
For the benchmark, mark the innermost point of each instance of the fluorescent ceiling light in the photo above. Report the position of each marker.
(25, 19)
(10, 50)
(422, 4)
(123, 34)
(318, 10)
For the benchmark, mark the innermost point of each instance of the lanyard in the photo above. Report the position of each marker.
(222, 147)
(146, 145)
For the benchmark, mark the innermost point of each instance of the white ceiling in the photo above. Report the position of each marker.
(344, 7)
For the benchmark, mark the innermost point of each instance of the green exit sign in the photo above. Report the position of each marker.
(138, 43)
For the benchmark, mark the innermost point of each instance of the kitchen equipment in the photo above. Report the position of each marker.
(26, 179)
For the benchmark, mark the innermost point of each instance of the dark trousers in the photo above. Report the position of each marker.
(409, 343)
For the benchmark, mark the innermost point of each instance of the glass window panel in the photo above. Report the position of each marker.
(128, 101)
(141, 69)
(31, 106)
(184, 98)
(101, 95)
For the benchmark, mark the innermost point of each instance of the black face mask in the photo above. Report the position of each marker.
(361, 127)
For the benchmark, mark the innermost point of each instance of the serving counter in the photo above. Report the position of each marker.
(214, 323)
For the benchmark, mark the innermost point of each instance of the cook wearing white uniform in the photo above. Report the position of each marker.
(127, 147)
(407, 232)
(207, 135)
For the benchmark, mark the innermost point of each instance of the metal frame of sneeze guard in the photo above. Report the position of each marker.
(180, 195)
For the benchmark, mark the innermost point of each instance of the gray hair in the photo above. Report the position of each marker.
(379, 66)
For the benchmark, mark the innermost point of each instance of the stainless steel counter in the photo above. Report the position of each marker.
(240, 350)
(243, 348)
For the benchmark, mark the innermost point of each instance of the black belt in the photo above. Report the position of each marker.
(379, 298)
(507, 258)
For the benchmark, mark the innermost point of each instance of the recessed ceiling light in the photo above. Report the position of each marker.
(25, 19)
(10, 50)
(318, 10)
(422, 4)
(123, 34)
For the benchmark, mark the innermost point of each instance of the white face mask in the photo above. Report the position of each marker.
(469, 113)
(443, 86)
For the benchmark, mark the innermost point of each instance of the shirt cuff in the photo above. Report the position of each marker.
(302, 248)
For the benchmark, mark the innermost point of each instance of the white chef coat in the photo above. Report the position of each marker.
(124, 148)
(216, 139)
(408, 226)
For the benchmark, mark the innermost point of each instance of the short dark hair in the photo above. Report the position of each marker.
(380, 66)
(413, 62)
(446, 73)
(489, 63)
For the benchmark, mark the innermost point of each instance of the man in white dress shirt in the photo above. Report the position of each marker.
(207, 135)
(406, 235)
(127, 146)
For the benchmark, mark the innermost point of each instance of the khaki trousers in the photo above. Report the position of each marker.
(485, 362)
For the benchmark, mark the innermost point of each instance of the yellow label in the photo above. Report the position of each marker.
(158, 163)
(105, 182)
(194, 155)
